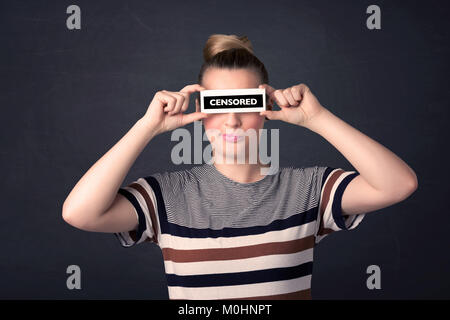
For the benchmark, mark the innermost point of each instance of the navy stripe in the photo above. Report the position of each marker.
(281, 224)
(353, 221)
(153, 183)
(120, 237)
(325, 175)
(337, 201)
(182, 231)
(240, 278)
(142, 224)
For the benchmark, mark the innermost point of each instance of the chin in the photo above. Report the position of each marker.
(232, 151)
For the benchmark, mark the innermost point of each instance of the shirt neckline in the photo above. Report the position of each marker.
(223, 177)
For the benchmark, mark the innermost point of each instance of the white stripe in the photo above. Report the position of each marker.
(241, 291)
(239, 265)
(152, 196)
(140, 199)
(293, 233)
(186, 189)
(357, 220)
(124, 238)
(328, 215)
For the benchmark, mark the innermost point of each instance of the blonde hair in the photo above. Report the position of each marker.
(231, 52)
(221, 42)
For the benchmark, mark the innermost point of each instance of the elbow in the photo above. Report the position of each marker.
(79, 219)
(67, 215)
(408, 188)
(412, 184)
(70, 217)
(65, 212)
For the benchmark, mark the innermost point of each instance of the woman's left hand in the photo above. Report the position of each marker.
(298, 104)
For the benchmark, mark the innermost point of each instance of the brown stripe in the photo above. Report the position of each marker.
(150, 207)
(326, 197)
(133, 235)
(325, 231)
(243, 252)
(298, 295)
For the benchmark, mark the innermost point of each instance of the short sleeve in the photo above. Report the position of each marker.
(143, 199)
(330, 218)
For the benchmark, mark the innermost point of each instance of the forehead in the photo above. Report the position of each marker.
(215, 78)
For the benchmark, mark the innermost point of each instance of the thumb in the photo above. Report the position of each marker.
(268, 88)
(271, 115)
(191, 117)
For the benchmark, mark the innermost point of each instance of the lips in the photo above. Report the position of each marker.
(232, 137)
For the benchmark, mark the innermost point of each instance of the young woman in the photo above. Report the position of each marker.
(226, 230)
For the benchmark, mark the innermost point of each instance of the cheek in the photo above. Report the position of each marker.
(212, 122)
(212, 126)
(249, 120)
(254, 121)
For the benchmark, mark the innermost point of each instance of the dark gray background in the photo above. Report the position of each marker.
(68, 96)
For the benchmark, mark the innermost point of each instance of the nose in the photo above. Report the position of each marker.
(232, 121)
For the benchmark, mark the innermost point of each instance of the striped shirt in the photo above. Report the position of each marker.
(221, 239)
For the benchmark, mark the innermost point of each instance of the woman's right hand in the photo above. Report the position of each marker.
(165, 112)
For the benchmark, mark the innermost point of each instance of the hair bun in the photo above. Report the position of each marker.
(220, 42)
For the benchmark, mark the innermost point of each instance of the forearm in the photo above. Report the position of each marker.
(96, 190)
(380, 167)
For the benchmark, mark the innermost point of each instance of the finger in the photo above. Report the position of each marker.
(272, 115)
(269, 92)
(269, 89)
(280, 99)
(191, 117)
(184, 105)
(180, 102)
(188, 90)
(290, 98)
(296, 93)
(186, 102)
(197, 105)
(192, 88)
(169, 99)
(270, 104)
(303, 88)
